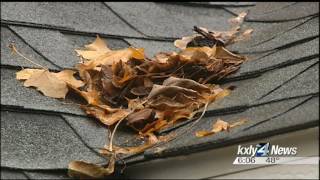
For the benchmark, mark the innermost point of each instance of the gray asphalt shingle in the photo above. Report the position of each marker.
(249, 90)
(11, 174)
(304, 31)
(36, 141)
(237, 4)
(294, 54)
(286, 11)
(170, 20)
(13, 93)
(8, 58)
(80, 16)
(92, 132)
(51, 44)
(47, 175)
(263, 32)
(302, 84)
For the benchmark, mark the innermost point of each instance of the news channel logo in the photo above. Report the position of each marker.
(266, 149)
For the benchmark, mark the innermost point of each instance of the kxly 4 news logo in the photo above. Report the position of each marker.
(265, 149)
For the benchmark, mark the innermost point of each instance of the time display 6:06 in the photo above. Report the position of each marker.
(246, 160)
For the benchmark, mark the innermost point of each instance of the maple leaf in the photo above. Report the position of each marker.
(67, 76)
(27, 73)
(49, 83)
(46, 82)
(94, 50)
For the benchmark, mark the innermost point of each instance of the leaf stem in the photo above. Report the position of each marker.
(14, 49)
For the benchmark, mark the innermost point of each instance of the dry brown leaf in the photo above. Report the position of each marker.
(173, 97)
(140, 118)
(152, 140)
(153, 126)
(246, 35)
(94, 50)
(84, 170)
(170, 91)
(27, 73)
(137, 53)
(67, 76)
(219, 126)
(106, 117)
(183, 42)
(136, 104)
(92, 96)
(122, 73)
(186, 83)
(197, 54)
(223, 53)
(239, 19)
(162, 57)
(143, 114)
(107, 58)
(47, 83)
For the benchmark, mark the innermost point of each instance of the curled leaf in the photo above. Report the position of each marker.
(171, 91)
(107, 116)
(92, 96)
(84, 170)
(122, 73)
(152, 140)
(182, 43)
(186, 83)
(140, 118)
(219, 126)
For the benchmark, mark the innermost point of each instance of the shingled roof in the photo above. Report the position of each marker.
(277, 89)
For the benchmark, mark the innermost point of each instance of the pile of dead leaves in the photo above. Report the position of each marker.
(148, 94)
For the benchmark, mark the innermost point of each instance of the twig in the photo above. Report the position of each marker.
(114, 131)
(14, 49)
